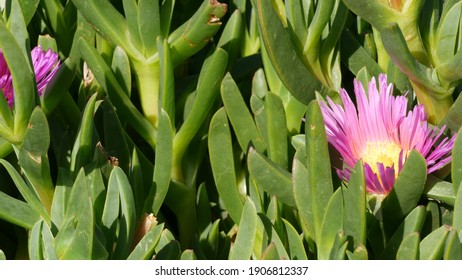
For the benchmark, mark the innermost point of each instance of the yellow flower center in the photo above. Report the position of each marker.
(384, 152)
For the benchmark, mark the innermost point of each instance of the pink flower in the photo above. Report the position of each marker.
(45, 65)
(382, 133)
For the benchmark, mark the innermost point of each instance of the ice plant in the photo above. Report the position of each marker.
(381, 132)
(45, 64)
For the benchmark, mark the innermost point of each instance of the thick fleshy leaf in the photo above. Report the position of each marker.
(355, 206)
(82, 151)
(456, 167)
(145, 248)
(34, 244)
(272, 236)
(242, 249)
(457, 220)
(127, 218)
(318, 165)
(270, 253)
(110, 23)
(163, 164)
(239, 116)
(108, 81)
(121, 67)
(26, 191)
(210, 78)
(432, 246)
(407, 191)
(23, 79)
(222, 162)
(270, 177)
(412, 223)
(166, 80)
(332, 224)
(149, 25)
(33, 157)
(283, 55)
(442, 191)
(302, 196)
(453, 247)
(296, 247)
(231, 38)
(194, 34)
(277, 130)
(409, 248)
(75, 238)
(17, 212)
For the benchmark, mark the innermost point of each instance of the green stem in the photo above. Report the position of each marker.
(147, 79)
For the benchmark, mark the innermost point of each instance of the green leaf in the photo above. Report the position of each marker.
(356, 57)
(332, 224)
(406, 192)
(34, 244)
(27, 193)
(149, 25)
(33, 157)
(145, 248)
(456, 167)
(109, 22)
(413, 223)
(239, 116)
(166, 12)
(127, 218)
(17, 212)
(167, 79)
(453, 118)
(242, 249)
(113, 129)
(283, 55)
(188, 255)
(432, 246)
(61, 196)
(121, 67)
(442, 191)
(273, 236)
(277, 130)
(194, 34)
(232, 36)
(302, 196)
(109, 218)
(23, 80)
(409, 248)
(28, 9)
(108, 81)
(453, 247)
(270, 177)
(82, 151)
(55, 90)
(448, 31)
(270, 253)
(296, 248)
(222, 162)
(75, 238)
(355, 206)
(48, 246)
(457, 219)
(163, 164)
(208, 87)
(360, 253)
(318, 164)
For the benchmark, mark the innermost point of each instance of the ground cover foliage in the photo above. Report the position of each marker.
(193, 129)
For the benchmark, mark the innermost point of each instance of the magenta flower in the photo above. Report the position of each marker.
(45, 64)
(382, 133)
